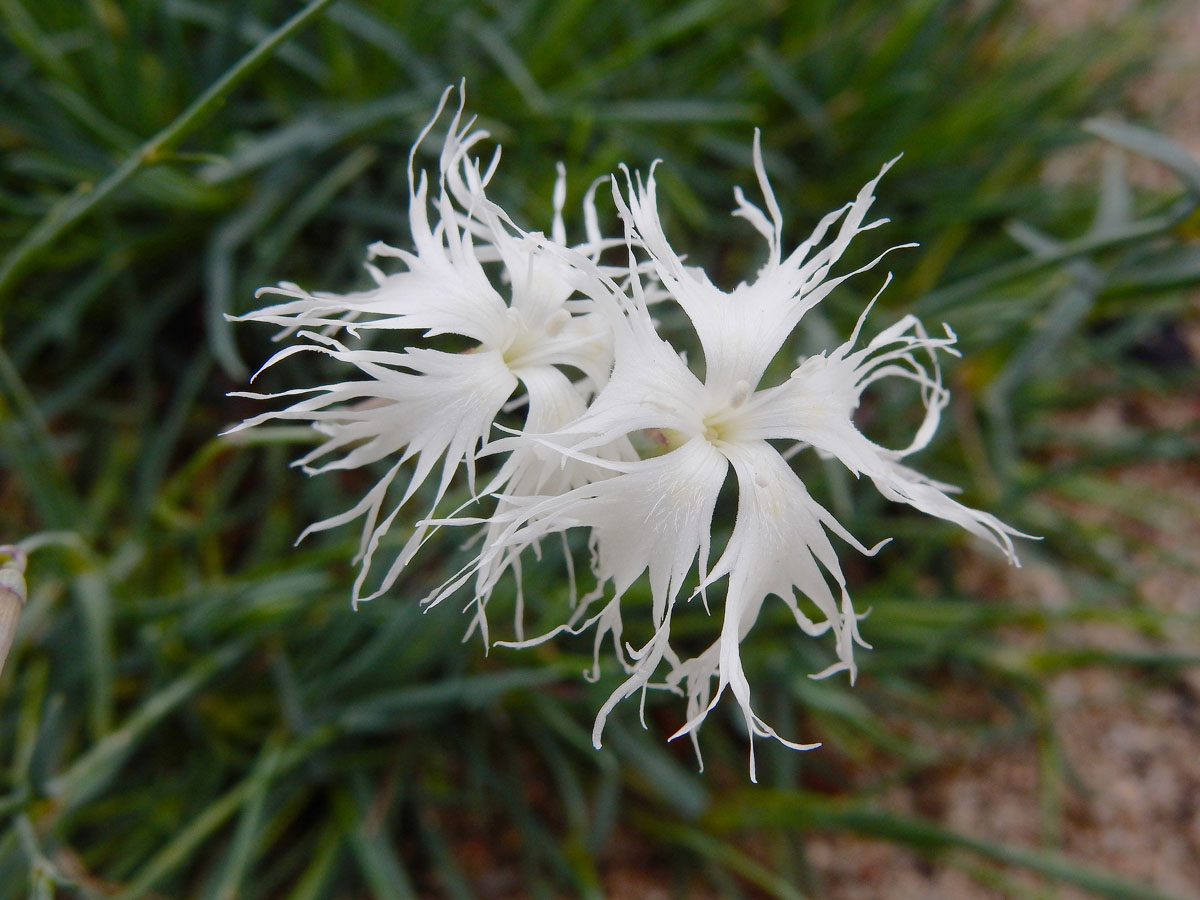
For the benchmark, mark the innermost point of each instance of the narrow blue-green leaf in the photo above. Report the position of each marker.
(93, 771)
(1151, 145)
(29, 448)
(379, 711)
(251, 31)
(22, 29)
(507, 58)
(380, 33)
(373, 850)
(722, 852)
(242, 847)
(200, 828)
(313, 880)
(680, 110)
(663, 776)
(86, 197)
(96, 605)
(309, 134)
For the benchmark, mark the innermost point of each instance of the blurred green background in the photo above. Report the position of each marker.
(191, 709)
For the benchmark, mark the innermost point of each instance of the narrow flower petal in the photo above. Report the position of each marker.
(423, 405)
(653, 516)
(817, 404)
(778, 546)
(742, 331)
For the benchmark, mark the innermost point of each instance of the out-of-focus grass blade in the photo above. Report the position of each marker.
(1139, 140)
(163, 437)
(88, 197)
(221, 271)
(372, 847)
(27, 444)
(23, 31)
(556, 33)
(1063, 319)
(673, 24)
(380, 33)
(660, 775)
(944, 299)
(1180, 269)
(379, 711)
(721, 852)
(576, 847)
(507, 58)
(185, 841)
(62, 322)
(250, 30)
(75, 104)
(451, 879)
(1151, 145)
(93, 771)
(317, 197)
(45, 875)
(601, 817)
(794, 93)
(33, 698)
(243, 844)
(310, 134)
(1115, 206)
(96, 607)
(851, 714)
(677, 110)
(539, 847)
(313, 880)
(1050, 661)
(122, 349)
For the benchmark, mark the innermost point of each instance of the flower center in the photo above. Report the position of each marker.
(526, 341)
(721, 424)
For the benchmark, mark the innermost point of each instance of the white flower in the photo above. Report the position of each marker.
(539, 314)
(425, 410)
(654, 515)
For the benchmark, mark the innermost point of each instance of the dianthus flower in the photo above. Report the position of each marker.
(573, 464)
(422, 408)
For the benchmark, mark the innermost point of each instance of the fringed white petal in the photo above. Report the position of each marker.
(653, 515)
(742, 331)
(650, 387)
(778, 546)
(816, 406)
(531, 469)
(422, 405)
